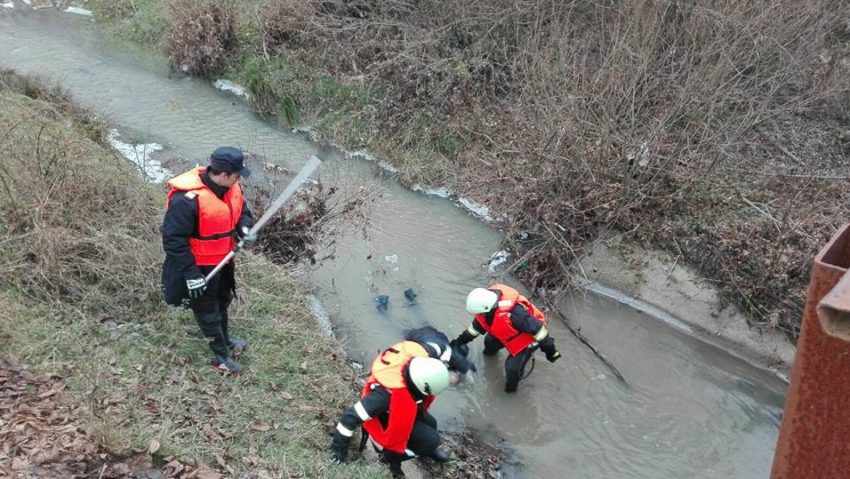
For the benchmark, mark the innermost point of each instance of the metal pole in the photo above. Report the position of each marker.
(290, 190)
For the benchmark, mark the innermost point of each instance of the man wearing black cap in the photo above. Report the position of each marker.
(205, 209)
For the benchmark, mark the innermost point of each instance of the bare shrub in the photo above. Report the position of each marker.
(636, 117)
(308, 222)
(284, 23)
(72, 228)
(202, 36)
(657, 119)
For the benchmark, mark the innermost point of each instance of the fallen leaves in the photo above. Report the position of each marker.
(39, 432)
(259, 426)
(41, 437)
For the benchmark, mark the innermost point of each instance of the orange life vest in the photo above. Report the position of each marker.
(501, 328)
(217, 218)
(387, 370)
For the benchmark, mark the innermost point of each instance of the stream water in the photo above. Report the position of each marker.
(691, 410)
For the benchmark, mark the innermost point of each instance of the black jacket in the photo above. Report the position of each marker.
(436, 344)
(181, 222)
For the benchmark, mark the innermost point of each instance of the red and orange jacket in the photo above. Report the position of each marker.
(387, 371)
(501, 328)
(217, 218)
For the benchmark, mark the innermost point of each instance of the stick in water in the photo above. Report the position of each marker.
(584, 341)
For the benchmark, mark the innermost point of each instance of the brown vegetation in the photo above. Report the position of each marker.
(202, 37)
(712, 129)
(58, 227)
(43, 435)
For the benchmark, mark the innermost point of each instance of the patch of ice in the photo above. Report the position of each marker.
(28, 2)
(7, 5)
(388, 167)
(359, 154)
(79, 11)
(441, 191)
(496, 259)
(321, 315)
(637, 304)
(363, 155)
(139, 155)
(229, 86)
(309, 133)
(476, 208)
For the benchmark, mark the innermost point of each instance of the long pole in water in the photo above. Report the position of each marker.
(290, 190)
(583, 340)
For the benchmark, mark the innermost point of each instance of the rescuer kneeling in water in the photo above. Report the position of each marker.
(393, 407)
(510, 321)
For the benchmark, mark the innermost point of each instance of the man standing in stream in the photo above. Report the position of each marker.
(206, 212)
(509, 321)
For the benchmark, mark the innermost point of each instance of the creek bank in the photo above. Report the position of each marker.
(663, 281)
(80, 301)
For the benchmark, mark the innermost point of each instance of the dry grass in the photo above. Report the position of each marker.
(202, 37)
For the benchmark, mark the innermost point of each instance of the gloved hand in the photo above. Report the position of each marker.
(196, 287)
(553, 355)
(244, 233)
(338, 453)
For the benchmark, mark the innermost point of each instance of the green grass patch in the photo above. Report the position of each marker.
(141, 21)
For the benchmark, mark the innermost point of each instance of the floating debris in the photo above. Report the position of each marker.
(383, 302)
(229, 86)
(410, 295)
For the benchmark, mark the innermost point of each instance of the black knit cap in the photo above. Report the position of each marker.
(229, 159)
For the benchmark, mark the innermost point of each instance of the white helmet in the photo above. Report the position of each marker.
(429, 375)
(481, 300)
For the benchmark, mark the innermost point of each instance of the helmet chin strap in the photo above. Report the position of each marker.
(414, 391)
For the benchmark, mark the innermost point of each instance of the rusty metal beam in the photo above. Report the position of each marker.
(814, 438)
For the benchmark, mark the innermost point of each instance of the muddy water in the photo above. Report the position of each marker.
(691, 410)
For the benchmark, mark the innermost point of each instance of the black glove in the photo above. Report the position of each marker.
(339, 453)
(196, 287)
(462, 339)
(553, 355)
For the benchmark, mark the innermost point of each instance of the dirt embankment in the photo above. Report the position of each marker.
(660, 284)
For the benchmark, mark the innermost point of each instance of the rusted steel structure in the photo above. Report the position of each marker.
(814, 439)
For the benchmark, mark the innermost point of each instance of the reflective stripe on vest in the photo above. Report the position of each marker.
(501, 328)
(217, 218)
(387, 370)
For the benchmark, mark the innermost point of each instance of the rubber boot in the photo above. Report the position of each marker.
(237, 346)
(227, 364)
(395, 470)
(440, 455)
